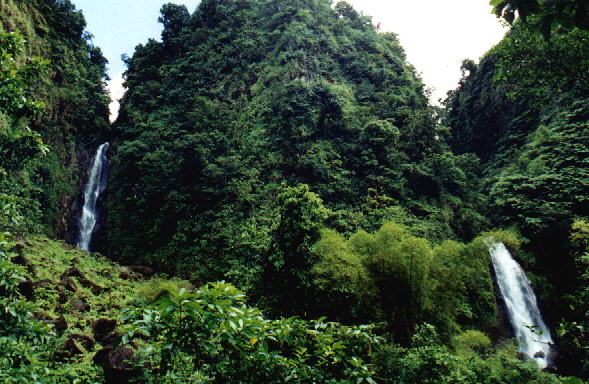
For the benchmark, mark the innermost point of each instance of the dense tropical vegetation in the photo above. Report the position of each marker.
(287, 150)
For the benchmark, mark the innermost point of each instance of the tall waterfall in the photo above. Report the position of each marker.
(522, 307)
(94, 187)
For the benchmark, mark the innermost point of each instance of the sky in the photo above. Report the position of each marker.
(118, 26)
(437, 35)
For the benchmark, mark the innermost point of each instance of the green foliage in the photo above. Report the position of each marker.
(15, 78)
(67, 85)
(239, 98)
(574, 331)
(471, 341)
(428, 361)
(211, 335)
(523, 111)
(341, 277)
(23, 339)
(401, 279)
(545, 16)
(288, 265)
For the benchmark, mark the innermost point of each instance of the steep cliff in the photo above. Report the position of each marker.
(75, 118)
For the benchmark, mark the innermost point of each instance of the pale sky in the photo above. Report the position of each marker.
(437, 35)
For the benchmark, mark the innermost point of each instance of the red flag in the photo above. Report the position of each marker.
(378, 26)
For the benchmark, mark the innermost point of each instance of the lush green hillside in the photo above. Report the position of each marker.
(524, 111)
(287, 147)
(72, 317)
(74, 117)
(242, 100)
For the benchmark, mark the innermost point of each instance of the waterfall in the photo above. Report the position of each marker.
(522, 307)
(94, 187)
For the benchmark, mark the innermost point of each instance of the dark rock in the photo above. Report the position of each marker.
(539, 355)
(552, 370)
(80, 305)
(75, 272)
(69, 349)
(20, 258)
(116, 363)
(101, 357)
(62, 296)
(142, 270)
(97, 290)
(86, 341)
(112, 339)
(19, 249)
(102, 327)
(120, 358)
(59, 324)
(26, 288)
(68, 284)
(128, 275)
(76, 344)
(43, 283)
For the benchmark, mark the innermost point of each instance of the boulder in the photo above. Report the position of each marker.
(76, 344)
(112, 339)
(117, 364)
(26, 288)
(68, 283)
(102, 327)
(128, 275)
(62, 296)
(45, 283)
(86, 341)
(21, 259)
(59, 324)
(80, 305)
(70, 349)
(142, 270)
(539, 355)
(75, 272)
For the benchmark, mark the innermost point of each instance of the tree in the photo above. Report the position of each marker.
(545, 15)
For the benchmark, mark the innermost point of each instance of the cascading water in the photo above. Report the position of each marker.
(522, 308)
(94, 187)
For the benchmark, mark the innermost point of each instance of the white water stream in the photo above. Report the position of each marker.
(522, 308)
(94, 187)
